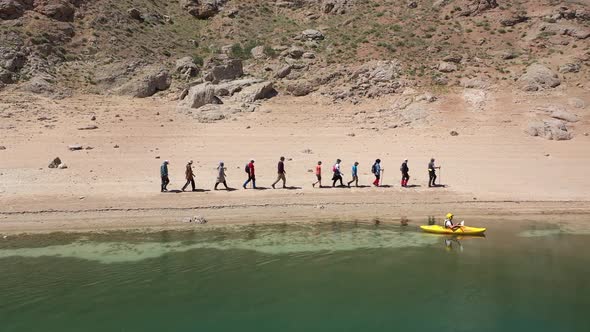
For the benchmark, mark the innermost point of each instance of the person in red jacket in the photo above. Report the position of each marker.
(251, 175)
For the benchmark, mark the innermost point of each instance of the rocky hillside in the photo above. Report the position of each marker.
(343, 49)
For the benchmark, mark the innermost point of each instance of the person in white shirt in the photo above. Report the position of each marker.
(337, 174)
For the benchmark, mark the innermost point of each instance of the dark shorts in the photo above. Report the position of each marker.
(319, 176)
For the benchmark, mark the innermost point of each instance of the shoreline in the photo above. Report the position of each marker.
(150, 215)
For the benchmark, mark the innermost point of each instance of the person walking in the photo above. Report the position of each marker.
(281, 173)
(376, 170)
(318, 174)
(432, 173)
(190, 176)
(251, 175)
(164, 176)
(221, 175)
(355, 174)
(405, 173)
(337, 174)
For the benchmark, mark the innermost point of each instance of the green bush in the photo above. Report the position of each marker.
(270, 52)
(198, 60)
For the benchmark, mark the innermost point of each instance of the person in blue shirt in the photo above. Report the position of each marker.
(376, 170)
(164, 176)
(355, 174)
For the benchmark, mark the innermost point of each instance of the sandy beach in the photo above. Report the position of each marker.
(490, 168)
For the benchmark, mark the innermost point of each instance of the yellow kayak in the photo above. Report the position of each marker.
(465, 230)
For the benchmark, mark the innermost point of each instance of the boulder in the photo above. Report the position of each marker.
(218, 70)
(474, 83)
(549, 129)
(295, 52)
(538, 77)
(308, 55)
(14, 61)
(311, 34)
(6, 77)
(427, 96)
(62, 166)
(89, 127)
(476, 7)
(564, 115)
(283, 71)
(258, 52)
(514, 20)
(12, 9)
(583, 14)
(186, 68)
(447, 67)
(200, 95)
(147, 84)
(377, 71)
(567, 29)
(438, 4)
(570, 68)
(135, 14)
(229, 88)
(55, 163)
(579, 33)
(509, 54)
(336, 6)
(576, 102)
(258, 91)
(412, 4)
(202, 9)
(41, 84)
(299, 88)
(455, 58)
(61, 10)
(75, 147)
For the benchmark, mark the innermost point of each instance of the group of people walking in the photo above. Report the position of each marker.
(337, 174)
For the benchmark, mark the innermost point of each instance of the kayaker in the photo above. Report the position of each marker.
(449, 223)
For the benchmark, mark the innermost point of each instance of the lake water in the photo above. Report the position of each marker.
(298, 277)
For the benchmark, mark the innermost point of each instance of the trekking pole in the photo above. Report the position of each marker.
(381, 177)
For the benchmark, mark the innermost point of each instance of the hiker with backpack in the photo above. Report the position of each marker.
(405, 173)
(337, 174)
(355, 174)
(376, 170)
(251, 175)
(164, 176)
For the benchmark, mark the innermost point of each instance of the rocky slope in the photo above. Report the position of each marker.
(343, 49)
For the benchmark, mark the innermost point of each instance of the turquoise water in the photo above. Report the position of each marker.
(297, 277)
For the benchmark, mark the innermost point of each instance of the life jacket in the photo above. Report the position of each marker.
(450, 221)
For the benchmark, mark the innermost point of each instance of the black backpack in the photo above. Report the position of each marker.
(373, 169)
(247, 168)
